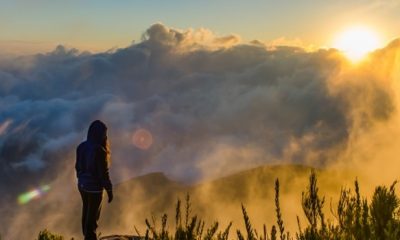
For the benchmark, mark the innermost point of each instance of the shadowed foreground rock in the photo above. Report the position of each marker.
(120, 237)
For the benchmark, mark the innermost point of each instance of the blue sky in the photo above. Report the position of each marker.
(101, 24)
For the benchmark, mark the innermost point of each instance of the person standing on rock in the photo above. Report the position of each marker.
(92, 170)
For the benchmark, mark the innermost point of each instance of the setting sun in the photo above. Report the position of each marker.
(355, 43)
(200, 120)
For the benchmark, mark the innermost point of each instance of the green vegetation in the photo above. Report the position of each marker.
(191, 229)
(46, 235)
(354, 218)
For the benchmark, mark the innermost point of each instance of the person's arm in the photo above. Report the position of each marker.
(103, 172)
(77, 161)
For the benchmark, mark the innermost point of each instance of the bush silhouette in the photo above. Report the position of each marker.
(46, 235)
(355, 219)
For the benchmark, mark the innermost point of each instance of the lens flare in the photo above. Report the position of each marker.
(142, 139)
(34, 194)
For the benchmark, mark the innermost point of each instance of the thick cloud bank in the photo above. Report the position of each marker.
(213, 105)
(195, 106)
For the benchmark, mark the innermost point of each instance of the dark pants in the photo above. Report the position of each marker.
(90, 213)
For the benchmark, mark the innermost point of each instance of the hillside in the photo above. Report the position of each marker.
(155, 194)
(219, 199)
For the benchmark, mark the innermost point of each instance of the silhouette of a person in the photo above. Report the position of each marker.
(92, 170)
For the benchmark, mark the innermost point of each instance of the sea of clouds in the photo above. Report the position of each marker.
(213, 105)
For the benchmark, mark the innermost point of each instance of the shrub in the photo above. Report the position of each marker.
(356, 219)
(384, 213)
(46, 235)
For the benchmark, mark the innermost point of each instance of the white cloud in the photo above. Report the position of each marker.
(209, 102)
(188, 88)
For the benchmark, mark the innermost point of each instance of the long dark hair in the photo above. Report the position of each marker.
(97, 133)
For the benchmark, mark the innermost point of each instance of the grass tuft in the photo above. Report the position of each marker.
(356, 218)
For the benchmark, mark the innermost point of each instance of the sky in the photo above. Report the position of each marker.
(185, 90)
(36, 26)
(205, 107)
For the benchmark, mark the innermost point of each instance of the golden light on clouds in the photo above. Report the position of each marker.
(357, 42)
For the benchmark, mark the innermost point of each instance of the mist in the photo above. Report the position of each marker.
(213, 106)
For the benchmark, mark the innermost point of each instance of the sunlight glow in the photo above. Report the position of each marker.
(356, 42)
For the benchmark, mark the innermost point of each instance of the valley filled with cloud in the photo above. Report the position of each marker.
(212, 106)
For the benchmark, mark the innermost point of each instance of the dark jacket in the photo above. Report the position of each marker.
(92, 167)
